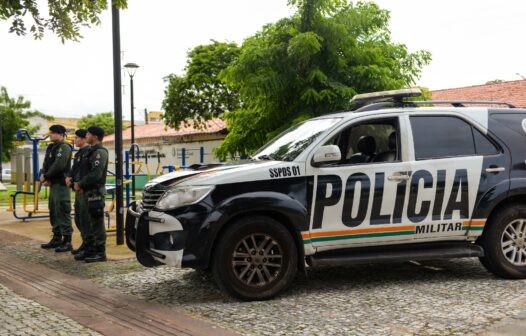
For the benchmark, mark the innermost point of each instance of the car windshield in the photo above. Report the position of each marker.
(291, 143)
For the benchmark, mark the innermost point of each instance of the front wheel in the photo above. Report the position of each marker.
(504, 243)
(255, 259)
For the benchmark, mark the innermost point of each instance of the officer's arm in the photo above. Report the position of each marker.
(97, 169)
(43, 171)
(60, 162)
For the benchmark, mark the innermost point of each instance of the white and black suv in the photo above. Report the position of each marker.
(390, 181)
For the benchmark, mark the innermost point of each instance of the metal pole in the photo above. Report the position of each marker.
(117, 103)
(127, 175)
(133, 154)
(1, 153)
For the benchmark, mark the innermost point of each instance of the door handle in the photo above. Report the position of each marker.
(493, 169)
(398, 177)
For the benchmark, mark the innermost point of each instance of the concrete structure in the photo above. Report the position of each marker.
(154, 118)
(169, 143)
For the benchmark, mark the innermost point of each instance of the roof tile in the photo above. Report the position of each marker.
(158, 130)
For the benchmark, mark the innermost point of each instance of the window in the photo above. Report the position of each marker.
(483, 145)
(291, 143)
(369, 142)
(443, 136)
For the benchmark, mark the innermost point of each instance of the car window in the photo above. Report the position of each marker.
(291, 143)
(441, 136)
(483, 145)
(368, 142)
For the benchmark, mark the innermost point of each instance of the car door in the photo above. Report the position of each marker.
(360, 200)
(452, 161)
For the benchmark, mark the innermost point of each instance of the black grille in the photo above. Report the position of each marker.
(150, 197)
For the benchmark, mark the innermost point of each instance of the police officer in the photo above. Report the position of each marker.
(92, 183)
(81, 205)
(54, 171)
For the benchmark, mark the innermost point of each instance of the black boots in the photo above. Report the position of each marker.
(65, 246)
(82, 247)
(99, 254)
(87, 251)
(81, 255)
(54, 242)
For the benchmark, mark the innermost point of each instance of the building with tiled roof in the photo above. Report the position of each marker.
(214, 129)
(158, 142)
(512, 92)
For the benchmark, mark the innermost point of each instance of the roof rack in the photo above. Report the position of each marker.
(462, 103)
(396, 98)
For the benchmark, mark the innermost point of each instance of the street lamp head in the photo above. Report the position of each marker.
(131, 68)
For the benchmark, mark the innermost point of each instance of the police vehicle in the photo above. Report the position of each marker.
(393, 180)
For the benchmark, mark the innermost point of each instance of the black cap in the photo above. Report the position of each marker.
(58, 129)
(97, 131)
(81, 133)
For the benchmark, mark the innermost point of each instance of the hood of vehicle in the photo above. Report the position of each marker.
(240, 172)
(172, 177)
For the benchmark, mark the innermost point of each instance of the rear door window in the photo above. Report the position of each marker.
(441, 137)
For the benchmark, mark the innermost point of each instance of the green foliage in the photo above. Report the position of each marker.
(104, 120)
(65, 17)
(311, 64)
(199, 95)
(14, 114)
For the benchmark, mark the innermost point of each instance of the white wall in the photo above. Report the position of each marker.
(171, 154)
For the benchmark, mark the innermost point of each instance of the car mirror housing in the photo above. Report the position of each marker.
(326, 154)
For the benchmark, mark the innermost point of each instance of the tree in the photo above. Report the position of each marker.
(199, 94)
(495, 81)
(104, 120)
(65, 17)
(14, 114)
(311, 64)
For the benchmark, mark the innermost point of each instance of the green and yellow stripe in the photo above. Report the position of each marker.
(474, 225)
(311, 237)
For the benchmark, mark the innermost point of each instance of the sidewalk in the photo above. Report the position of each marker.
(98, 308)
(40, 289)
(40, 229)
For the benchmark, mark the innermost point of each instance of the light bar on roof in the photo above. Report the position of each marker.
(393, 95)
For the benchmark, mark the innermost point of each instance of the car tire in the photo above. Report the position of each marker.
(255, 259)
(504, 244)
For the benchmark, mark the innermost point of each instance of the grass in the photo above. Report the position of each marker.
(42, 196)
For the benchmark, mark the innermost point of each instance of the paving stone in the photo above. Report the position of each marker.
(20, 316)
(453, 297)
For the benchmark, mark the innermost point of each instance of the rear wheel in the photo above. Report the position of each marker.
(504, 242)
(255, 259)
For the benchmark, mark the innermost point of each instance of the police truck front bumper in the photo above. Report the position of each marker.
(156, 237)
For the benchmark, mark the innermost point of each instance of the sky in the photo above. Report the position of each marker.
(471, 42)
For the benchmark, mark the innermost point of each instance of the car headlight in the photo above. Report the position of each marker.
(182, 196)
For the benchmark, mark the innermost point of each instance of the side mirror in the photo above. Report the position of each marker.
(326, 154)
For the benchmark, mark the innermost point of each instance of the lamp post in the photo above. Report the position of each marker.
(117, 101)
(1, 135)
(131, 68)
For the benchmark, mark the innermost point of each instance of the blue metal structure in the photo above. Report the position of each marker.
(21, 135)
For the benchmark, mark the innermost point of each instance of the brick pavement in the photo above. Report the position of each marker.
(98, 308)
(20, 316)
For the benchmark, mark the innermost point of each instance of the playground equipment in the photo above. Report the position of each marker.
(29, 186)
(25, 178)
